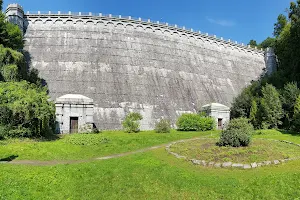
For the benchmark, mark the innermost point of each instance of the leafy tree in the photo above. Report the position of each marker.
(287, 49)
(296, 117)
(282, 21)
(242, 103)
(294, 40)
(253, 113)
(270, 107)
(163, 126)
(269, 42)
(10, 73)
(3, 32)
(25, 109)
(131, 123)
(294, 11)
(297, 106)
(253, 43)
(12, 65)
(289, 94)
(10, 34)
(15, 37)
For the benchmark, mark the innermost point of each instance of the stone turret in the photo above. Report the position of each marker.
(15, 14)
(270, 60)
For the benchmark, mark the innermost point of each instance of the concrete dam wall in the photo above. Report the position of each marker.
(127, 64)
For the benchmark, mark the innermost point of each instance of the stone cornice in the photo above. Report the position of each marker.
(129, 22)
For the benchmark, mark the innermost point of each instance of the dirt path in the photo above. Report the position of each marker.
(58, 162)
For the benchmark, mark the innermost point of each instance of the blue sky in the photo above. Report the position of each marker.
(239, 20)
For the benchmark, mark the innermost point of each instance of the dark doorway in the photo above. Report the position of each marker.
(220, 124)
(73, 124)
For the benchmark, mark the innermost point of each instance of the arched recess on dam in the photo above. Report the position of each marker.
(127, 65)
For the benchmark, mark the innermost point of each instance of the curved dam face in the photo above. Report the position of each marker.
(129, 65)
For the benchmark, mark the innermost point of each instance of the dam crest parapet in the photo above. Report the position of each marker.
(95, 19)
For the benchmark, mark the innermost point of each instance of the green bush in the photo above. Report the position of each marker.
(25, 110)
(3, 132)
(195, 122)
(10, 132)
(163, 126)
(237, 133)
(207, 123)
(131, 122)
(19, 132)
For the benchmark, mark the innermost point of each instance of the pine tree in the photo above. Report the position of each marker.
(253, 113)
(270, 107)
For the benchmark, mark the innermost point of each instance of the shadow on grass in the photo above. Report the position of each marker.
(293, 133)
(8, 159)
(48, 138)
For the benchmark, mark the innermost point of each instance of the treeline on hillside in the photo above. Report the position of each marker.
(274, 100)
(24, 107)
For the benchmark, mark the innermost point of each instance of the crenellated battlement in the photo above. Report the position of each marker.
(131, 22)
(15, 13)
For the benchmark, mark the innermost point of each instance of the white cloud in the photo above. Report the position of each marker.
(221, 22)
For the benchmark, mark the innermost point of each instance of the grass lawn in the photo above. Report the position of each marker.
(150, 175)
(259, 150)
(85, 146)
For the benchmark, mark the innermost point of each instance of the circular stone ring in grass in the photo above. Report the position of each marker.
(261, 152)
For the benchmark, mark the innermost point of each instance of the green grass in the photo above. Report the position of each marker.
(150, 175)
(259, 150)
(85, 146)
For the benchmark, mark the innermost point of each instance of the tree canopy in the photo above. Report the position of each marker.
(274, 99)
(25, 109)
(282, 21)
(10, 34)
(253, 43)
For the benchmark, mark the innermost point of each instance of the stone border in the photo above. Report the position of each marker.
(205, 163)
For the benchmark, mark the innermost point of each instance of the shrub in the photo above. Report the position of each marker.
(195, 122)
(3, 132)
(26, 110)
(19, 132)
(163, 126)
(207, 123)
(237, 133)
(131, 123)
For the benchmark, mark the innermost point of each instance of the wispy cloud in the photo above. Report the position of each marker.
(221, 22)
